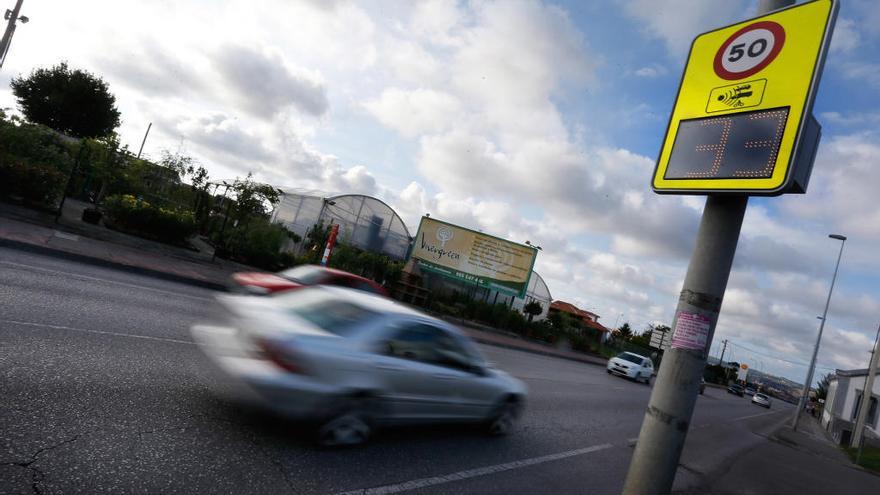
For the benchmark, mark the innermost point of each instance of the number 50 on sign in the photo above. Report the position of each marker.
(742, 121)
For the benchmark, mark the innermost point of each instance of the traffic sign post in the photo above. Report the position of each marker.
(765, 71)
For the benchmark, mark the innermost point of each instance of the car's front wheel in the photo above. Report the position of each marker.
(352, 424)
(504, 417)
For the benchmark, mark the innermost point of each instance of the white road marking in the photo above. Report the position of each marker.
(756, 415)
(86, 277)
(86, 330)
(473, 473)
(65, 235)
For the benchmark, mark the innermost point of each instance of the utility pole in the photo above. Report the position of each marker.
(225, 219)
(12, 16)
(661, 439)
(865, 403)
(721, 362)
(145, 140)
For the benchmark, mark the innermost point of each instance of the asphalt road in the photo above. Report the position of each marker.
(102, 390)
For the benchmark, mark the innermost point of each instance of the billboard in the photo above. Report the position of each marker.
(743, 372)
(473, 257)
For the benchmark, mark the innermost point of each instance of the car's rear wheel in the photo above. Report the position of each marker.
(504, 417)
(352, 424)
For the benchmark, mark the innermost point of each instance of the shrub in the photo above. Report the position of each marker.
(35, 182)
(258, 243)
(141, 218)
(34, 144)
(375, 266)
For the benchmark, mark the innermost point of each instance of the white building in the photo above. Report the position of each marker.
(845, 390)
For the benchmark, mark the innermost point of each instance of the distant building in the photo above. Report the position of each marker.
(845, 392)
(588, 321)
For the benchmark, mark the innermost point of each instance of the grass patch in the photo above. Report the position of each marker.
(870, 457)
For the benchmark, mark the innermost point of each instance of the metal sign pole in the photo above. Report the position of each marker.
(656, 456)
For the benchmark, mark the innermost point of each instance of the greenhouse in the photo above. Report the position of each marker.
(364, 222)
(537, 291)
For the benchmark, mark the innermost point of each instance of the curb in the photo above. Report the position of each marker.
(532, 351)
(91, 260)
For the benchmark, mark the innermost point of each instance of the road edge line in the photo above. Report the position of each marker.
(101, 262)
(473, 473)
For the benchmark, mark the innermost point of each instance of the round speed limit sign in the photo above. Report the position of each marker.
(749, 50)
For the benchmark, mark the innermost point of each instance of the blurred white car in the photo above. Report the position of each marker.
(349, 361)
(761, 400)
(630, 365)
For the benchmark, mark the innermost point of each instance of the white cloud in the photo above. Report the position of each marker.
(435, 21)
(846, 36)
(677, 22)
(651, 71)
(416, 112)
(220, 135)
(843, 186)
(411, 62)
(263, 83)
(863, 72)
(852, 119)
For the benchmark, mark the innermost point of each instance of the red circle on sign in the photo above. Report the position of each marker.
(775, 29)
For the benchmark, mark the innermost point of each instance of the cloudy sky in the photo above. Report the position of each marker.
(527, 119)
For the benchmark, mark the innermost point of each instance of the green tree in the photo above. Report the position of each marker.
(643, 339)
(624, 332)
(180, 163)
(74, 102)
(533, 309)
(253, 198)
(822, 386)
(106, 160)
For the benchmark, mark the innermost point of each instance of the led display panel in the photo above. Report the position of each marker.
(741, 145)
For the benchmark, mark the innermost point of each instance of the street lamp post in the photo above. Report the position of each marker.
(12, 17)
(809, 381)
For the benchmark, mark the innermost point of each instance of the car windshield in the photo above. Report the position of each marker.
(630, 357)
(761, 396)
(326, 312)
(306, 274)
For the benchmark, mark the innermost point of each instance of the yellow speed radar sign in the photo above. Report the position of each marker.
(742, 121)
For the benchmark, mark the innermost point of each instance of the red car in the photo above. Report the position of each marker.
(300, 276)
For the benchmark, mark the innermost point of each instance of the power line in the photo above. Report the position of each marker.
(797, 363)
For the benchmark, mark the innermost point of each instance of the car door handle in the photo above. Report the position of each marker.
(443, 376)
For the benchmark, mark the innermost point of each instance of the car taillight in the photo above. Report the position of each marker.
(279, 356)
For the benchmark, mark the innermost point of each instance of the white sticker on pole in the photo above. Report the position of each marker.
(691, 331)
